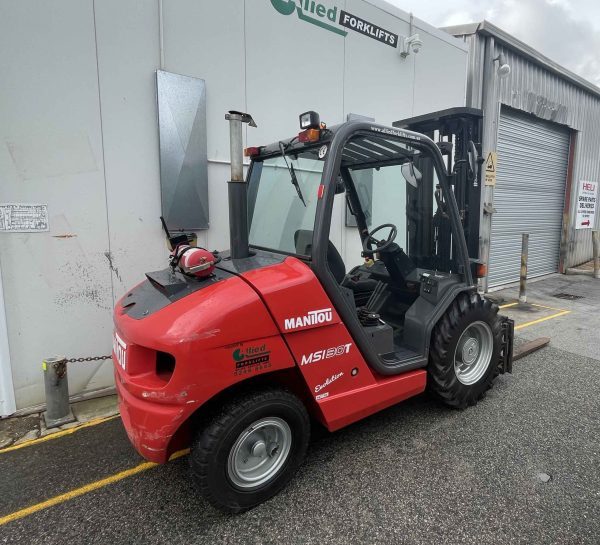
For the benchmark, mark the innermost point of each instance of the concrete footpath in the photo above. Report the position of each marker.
(520, 467)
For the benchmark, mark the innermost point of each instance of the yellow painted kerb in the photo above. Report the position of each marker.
(58, 434)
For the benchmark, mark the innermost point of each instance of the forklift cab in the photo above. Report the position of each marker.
(412, 260)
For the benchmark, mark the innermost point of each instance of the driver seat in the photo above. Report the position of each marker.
(303, 242)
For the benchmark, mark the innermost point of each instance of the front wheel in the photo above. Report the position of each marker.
(465, 350)
(250, 449)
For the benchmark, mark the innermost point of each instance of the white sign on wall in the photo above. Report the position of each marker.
(24, 218)
(587, 204)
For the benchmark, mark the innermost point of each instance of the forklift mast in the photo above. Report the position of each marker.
(453, 129)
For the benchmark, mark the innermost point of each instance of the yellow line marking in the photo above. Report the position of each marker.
(533, 322)
(58, 434)
(550, 308)
(531, 305)
(72, 494)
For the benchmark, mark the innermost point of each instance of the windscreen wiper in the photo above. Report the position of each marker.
(292, 172)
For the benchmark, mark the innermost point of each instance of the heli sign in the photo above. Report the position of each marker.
(587, 204)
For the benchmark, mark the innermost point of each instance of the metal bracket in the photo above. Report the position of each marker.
(488, 208)
(240, 116)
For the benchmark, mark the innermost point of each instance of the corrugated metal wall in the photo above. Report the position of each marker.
(532, 88)
(536, 90)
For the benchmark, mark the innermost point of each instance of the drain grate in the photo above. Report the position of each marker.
(568, 296)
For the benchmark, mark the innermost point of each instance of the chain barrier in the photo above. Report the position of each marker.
(89, 358)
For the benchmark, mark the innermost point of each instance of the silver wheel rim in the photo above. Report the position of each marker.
(473, 353)
(259, 452)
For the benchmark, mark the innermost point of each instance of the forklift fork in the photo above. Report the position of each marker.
(506, 349)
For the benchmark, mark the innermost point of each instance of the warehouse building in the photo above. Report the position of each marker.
(542, 125)
(84, 172)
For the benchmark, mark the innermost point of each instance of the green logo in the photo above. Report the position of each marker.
(285, 7)
(237, 355)
(250, 355)
(319, 13)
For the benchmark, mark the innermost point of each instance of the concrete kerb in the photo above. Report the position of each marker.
(19, 430)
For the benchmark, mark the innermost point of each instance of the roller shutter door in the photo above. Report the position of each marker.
(529, 196)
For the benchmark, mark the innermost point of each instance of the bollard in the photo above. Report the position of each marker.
(523, 280)
(596, 249)
(56, 384)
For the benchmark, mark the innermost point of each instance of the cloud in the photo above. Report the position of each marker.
(566, 31)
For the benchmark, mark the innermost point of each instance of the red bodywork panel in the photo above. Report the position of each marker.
(269, 319)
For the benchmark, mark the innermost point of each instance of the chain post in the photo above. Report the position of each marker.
(56, 385)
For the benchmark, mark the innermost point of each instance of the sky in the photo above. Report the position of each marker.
(566, 31)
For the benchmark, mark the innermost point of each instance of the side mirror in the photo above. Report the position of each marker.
(411, 174)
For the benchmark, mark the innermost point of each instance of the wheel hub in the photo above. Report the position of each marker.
(259, 450)
(473, 353)
(470, 350)
(259, 453)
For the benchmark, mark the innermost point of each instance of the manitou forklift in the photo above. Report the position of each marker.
(235, 353)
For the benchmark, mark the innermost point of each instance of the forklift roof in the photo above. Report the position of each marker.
(362, 151)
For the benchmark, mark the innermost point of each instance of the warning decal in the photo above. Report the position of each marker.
(587, 203)
(491, 162)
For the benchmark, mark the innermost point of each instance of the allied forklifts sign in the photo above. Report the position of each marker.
(587, 204)
(326, 17)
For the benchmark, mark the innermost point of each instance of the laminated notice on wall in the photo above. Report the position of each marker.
(491, 163)
(24, 218)
(587, 203)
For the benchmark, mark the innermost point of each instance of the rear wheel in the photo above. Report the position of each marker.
(248, 452)
(465, 348)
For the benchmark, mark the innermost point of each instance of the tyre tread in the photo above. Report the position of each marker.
(442, 381)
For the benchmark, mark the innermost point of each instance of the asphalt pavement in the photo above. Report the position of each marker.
(520, 467)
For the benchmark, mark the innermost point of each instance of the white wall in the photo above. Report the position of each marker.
(78, 131)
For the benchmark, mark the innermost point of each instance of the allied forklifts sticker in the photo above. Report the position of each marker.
(251, 358)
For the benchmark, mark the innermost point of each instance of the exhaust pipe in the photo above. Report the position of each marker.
(236, 187)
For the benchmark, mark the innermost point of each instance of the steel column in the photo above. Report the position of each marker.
(596, 251)
(523, 279)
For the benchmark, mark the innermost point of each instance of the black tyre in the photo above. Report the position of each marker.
(250, 449)
(465, 348)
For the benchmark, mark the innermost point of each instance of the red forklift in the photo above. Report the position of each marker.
(236, 353)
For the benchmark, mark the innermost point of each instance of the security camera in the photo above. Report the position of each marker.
(416, 44)
(503, 66)
(412, 43)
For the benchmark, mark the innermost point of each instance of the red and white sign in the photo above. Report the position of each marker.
(587, 204)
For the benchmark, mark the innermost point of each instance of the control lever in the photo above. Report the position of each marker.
(367, 314)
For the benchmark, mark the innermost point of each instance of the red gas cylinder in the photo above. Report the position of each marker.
(194, 261)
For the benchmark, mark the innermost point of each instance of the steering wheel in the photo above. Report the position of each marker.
(380, 244)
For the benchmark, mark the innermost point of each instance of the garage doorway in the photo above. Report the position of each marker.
(533, 158)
